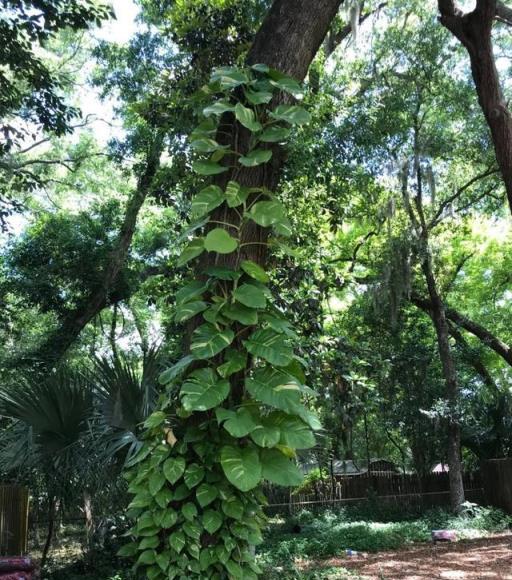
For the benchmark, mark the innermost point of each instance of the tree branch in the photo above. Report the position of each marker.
(489, 339)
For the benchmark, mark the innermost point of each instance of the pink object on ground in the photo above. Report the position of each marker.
(444, 536)
(16, 568)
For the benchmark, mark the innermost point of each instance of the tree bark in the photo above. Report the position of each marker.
(452, 391)
(473, 30)
(60, 340)
(487, 337)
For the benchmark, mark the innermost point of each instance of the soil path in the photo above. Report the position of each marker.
(464, 560)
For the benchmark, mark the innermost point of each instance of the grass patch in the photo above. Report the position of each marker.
(314, 537)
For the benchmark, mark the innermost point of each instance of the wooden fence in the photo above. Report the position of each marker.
(497, 482)
(408, 489)
(13, 520)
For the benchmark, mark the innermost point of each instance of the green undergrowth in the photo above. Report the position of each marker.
(291, 541)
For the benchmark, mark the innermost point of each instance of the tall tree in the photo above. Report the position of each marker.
(474, 31)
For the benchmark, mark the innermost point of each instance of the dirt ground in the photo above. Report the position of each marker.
(467, 559)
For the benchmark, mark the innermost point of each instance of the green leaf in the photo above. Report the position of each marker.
(156, 482)
(247, 118)
(207, 199)
(177, 541)
(233, 508)
(176, 370)
(223, 273)
(189, 310)
(269, 345)
(192, 529)
(218, 240)
(150, 542)
(235, 570)
(128, 550)
(147, 557)
(234, 361)
(267, 434)
(241, 313)
(250, 295)
(279, 325)
(205, 494)
(254, 271)
(288, 85)
(277, 468)
(208, 168)
(275, 388)
(218, 108)
(207, 341)
(267, 213)
(193, 249)
(292, 114)
(194, 474)
(241, 466)
(212, 521)
(174, 468)
(169, 518)
(263, 68)
(274, 134)
(295, 433)
(214, 314)
(255, 157)
(237, 424)
(203, 390)
(155, 420)
(229, 77)
(163, 560)
(235, 194)
(205, 145)
(259, 97)
(190, 291)
(189, 511)
(163, 497)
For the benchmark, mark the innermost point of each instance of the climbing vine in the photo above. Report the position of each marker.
(233, 414)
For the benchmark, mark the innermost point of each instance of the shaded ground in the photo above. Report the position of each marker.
(467, 559)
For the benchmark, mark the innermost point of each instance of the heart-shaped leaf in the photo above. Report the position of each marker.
(205, 494)
(193, 249)
(254, 271)
(277, 468)
(271, 346)
(212, 521)
(255, 157)
(247, 118)
(275, 388)
(250, 295)
(241, 466)
(208, 167)
(207, 199)
(207, 341)
(218, 240)
(173, 469)
(203, 390)
(292, 114)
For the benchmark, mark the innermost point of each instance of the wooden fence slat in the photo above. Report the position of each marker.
(13, 520)
(375, 484)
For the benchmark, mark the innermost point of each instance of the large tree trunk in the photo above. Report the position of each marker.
(450, 376)
(288, 40)
(474, 32)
